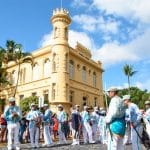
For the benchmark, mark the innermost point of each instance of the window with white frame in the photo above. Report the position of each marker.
(14, 77)
(71, 96)
(94, 79)
(36, 72)
(53, 91)
(71, 69)
(54, 63)
(46, 68)
(84, 73)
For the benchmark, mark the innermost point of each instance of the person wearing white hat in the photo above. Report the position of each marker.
(135, 122)
(62, 118)
(34, 120)
(115, 120)
(47, 118)
(13, 115)
(146, 117)
(87, 129)
(102, 127)
(75, 124)
(95, 119)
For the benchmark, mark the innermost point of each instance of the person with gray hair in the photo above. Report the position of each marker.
(95, 120)
(87, 129)
(34, 125)
(135, 117)
(47, 118)
(115, 120)
(13, 115)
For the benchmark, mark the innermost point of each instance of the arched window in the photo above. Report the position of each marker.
(94, 79)
(66, 62)
(54, 63)
(84, 73)
(36, 72)
(71, 69)
(46, 68)
(14, 77)
(53, 91)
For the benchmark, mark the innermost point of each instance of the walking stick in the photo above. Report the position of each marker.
(108, 125)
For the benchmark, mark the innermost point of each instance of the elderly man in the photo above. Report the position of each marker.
(87, 129)
(115, 120)
(13, 115)
(47, 118)
(34, 125)
(147, 117)
(135, 122)
(95, 120)
(62, 118)
(75, 122)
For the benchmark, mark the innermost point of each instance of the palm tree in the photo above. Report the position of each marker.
(3, 72)
(128, 71)
(15, 53)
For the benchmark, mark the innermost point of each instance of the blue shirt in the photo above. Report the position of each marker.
(8, 114)
(134, 114)
(47, 116)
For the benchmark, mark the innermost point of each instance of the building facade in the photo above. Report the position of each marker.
(62, 74)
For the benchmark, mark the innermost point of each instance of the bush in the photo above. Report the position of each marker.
(26, 102)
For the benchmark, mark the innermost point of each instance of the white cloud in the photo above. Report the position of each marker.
(74, 37)
(113, 53)
(89, 25)
(81, 37)
(95, 23)
(46, 40)
(79, 3)
(138, 9)
(143, 85)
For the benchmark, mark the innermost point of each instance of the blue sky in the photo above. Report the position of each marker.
(116, 31)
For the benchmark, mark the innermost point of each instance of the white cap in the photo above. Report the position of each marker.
(33, 104)
(85, 107)
(77, 106)
(11, 99)
(126, 97)
(60, 106)
(112, 89)
(96, 108)
(45, 105)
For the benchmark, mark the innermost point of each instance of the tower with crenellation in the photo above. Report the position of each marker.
(60, 58)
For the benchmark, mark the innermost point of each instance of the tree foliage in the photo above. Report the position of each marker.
(14, 52)
(138, 96)
(26, 102)
(128, 71)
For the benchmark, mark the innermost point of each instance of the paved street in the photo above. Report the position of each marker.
(70, 147)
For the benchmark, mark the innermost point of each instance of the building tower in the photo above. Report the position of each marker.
(60, 53)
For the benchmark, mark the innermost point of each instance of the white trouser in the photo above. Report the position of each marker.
(148, 129)
(13, 134)
(103, 134)
(87, 130)
(115, 142)
(94, 130)
(47, 135)
(61, 135)
(127, 137)
(136, 145)
(75, 137)
(34, 136)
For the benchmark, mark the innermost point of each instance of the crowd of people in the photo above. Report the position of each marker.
(116, 126)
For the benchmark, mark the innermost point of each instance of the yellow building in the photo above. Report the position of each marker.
(62, 74)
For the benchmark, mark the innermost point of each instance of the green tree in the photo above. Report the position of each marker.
(26, 103)
(14, 52)
(129, 72)
(138, 96)
(3, 72)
